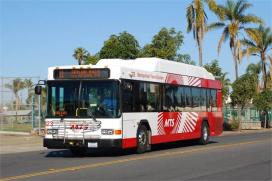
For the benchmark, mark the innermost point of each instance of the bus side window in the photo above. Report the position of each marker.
(209, 100)
(188, 98)
(153, 97)
(127, 96)
(177, 98)
(214, 102)
(203, 101)
(168, 99)
(196, 99)
(143, 97)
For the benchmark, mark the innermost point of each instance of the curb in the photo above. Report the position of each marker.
(227, 133)
(15, 133)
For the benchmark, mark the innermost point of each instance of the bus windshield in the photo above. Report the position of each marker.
(83, 98)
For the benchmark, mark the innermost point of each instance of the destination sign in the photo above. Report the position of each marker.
(103, 73)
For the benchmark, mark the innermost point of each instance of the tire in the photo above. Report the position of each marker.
(142, 140)
(205, 134)
(78, 151)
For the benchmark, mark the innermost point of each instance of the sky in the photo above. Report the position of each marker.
(37, 34)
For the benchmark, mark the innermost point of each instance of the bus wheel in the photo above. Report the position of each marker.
(78, 151)
(142, 140)
(205, 134)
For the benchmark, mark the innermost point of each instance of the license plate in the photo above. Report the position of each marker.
(92, 145)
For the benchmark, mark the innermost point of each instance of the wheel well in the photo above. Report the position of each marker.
(205, 120)
(145, 123)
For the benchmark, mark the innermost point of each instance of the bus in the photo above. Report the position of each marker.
(130, 104)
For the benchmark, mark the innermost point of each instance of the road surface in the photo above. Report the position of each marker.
(231, 157)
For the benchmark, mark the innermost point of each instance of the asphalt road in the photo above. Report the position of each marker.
(232, 157)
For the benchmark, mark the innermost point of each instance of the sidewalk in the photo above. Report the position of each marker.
(16, 143)
(226, 133)
(11, 142)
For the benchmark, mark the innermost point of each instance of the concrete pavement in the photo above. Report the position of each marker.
(232, 157)
(14, 142)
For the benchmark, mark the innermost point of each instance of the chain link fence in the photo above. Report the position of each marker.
(19, 105)
(248, 115)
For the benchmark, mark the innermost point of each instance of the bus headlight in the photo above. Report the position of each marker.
(52, 131)
(107, 131)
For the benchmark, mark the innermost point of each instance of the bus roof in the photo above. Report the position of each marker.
(157, 65)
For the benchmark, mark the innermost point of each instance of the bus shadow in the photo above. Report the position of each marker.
(118, 153)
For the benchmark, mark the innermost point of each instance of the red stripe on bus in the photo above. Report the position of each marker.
(129, 143)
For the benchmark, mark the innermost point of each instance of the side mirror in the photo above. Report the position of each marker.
(38, 89)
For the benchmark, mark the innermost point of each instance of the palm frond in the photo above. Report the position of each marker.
(214, 26)
(254, 35)
(244, 7)
(244, 19)
(190, 16)
(223, 38)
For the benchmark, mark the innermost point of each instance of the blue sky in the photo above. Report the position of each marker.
(37, 34)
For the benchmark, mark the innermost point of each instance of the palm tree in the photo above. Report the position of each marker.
(259, 44)
(233, 20)
(197, 21)
(15, 87)
(29, 86)
(80, 55)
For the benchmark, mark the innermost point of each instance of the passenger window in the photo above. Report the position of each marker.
(127, 96)
(196, 99)
(153, 97)
(168, 102)
(214, 100)
(209, 100)
(188, 98)
(203, 100)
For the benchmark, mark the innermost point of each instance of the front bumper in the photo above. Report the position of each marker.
(101, 143)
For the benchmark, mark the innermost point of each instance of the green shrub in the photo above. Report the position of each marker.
(231, 124)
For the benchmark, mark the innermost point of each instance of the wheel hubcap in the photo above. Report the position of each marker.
(142, 138)
(205, 133)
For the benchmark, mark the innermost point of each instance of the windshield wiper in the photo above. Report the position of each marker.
(90, 113)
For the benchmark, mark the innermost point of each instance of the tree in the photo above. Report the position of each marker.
(263, 102)
(80, 55)
(225, 86)
(92, 59)
(254, 70)
(243, 90)
(123, 46)
(259, 44)
(29, 86)
(233, 20)
(165, 44)
(15, 87)
(184, 58)
(197, 21)
(216, 70)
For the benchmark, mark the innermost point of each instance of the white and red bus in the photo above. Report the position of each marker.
(130, 104)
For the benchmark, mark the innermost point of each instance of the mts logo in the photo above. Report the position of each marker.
(169, 122)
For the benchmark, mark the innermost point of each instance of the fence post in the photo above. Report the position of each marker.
(33, 112)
